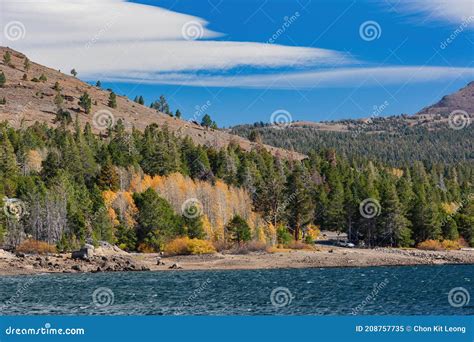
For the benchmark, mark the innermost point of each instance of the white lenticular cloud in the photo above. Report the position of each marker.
(60, 22)
(117, 58)
(113, 36)
(337, 78)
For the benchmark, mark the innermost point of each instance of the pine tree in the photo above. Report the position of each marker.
(157, 222)
(161, 105)
(108, 177)
(425, 216)
(57, 86)
(206, 121)
(335, 216)
(51, 166)
(164, 107)
(26, 64)
(7, 58)
(102, 228)
(3, 79)
(393, 225)
(8, 160)
(85, 102)
(450, 229)
(238, 230)
(405, 192)
(300, 208)
(58, 100)
(112, 100)
(194, 227)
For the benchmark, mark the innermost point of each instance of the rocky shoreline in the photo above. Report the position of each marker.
(112, 259)
(11, 264)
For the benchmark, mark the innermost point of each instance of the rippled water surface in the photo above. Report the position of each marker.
(333, 291)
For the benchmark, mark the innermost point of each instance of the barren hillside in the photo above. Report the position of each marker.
(28, 101)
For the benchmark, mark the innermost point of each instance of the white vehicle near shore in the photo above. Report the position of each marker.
(346, 244)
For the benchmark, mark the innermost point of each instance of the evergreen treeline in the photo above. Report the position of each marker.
(61, 175)
(395, 146)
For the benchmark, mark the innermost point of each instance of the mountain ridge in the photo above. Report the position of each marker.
(433, 116)
(440, 133)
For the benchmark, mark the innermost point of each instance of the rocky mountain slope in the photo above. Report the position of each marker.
(463, 99)
(435, 116)
(30, 101)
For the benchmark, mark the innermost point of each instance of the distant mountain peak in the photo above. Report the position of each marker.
(463, 99)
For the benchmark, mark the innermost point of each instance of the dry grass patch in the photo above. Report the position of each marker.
(36, 247)
(187, 246)
(436, 245)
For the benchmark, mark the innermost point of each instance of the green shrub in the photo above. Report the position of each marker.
(283, 236)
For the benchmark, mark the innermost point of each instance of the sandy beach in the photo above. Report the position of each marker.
(108, 261)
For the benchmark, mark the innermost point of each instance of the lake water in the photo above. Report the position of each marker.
(422, 290)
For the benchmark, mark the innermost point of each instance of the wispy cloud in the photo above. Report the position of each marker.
(344, 77)
(174, 55)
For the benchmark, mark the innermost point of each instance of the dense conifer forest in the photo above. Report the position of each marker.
(140, 190)
(387, 140)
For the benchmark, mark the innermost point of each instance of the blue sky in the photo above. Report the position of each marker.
(318, 67)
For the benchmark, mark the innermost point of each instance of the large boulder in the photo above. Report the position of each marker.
(84, 253)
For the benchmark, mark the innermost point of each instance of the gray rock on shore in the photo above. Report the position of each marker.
(84, 253)
(175, 266)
